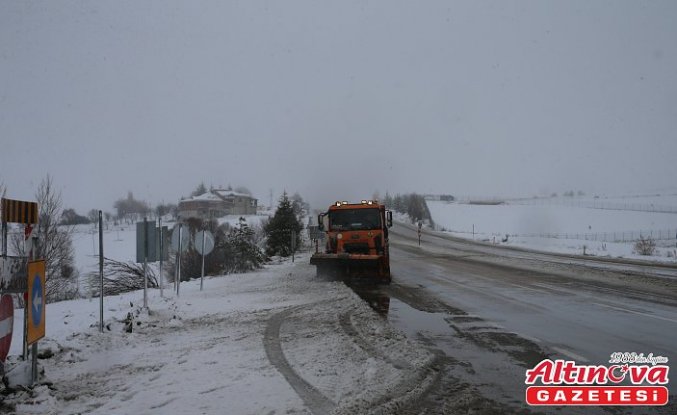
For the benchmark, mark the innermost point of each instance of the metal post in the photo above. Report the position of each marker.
(161, 254)
(145, 262)
(293, 244)
(34, 362)
(4, 238)
(34, 346)
(178, 276)
(202, 275)
(101, 270)
(176, 262)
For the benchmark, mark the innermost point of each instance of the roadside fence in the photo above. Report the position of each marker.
(616, 236)
(598, 204)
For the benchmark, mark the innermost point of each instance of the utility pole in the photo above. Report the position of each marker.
(101, 271)
(145, 262)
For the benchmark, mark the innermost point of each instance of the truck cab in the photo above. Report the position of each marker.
(356, 240)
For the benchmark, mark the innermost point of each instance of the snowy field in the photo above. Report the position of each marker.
(273, 341)
(566, 225)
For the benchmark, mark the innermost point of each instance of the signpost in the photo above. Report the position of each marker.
(185, 238)
(315, 234)
(36, 311)
(180, 241)
(150, 247)
(204, 244)
(21, 277)
(16, 211)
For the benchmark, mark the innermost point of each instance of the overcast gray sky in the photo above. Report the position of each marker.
(338, 99)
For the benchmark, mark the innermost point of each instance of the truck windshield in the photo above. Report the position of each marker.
(357, 219)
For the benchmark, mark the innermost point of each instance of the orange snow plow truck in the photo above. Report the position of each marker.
(356, 241)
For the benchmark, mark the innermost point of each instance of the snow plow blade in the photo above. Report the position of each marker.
(351, 265)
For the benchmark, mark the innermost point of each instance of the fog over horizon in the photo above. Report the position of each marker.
(337, 100)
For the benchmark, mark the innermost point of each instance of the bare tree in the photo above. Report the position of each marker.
(55, 244)
(130, 209)
(93, 216)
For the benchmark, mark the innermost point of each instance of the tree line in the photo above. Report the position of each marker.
(241, 248)
(412, 204)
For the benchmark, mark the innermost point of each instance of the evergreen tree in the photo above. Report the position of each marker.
(278, 229)
(247, 256)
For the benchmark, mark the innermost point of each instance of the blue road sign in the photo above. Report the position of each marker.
(36, 295)
(36, 301)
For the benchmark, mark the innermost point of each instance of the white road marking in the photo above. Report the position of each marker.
(570, 354)
(636, 312)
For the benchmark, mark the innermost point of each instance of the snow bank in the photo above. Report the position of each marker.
(210, 351)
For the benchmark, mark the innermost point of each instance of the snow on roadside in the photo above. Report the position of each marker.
(204, 351)
(576, 228)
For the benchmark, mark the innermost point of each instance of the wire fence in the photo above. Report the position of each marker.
(616, 236)
(598, 204)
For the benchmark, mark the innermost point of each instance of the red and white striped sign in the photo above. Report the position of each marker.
(6, 324)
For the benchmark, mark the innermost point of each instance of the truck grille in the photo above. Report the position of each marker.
(356, 248)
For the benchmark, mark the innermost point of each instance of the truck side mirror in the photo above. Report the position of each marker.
(320, 222)
(389, 218)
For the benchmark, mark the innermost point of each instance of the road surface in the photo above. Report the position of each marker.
(492, 312)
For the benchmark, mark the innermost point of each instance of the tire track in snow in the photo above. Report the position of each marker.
(347, 326)
(403, 396)
(314, 400)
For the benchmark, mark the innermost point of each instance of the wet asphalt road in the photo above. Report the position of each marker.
(494, 312)
(585, 315)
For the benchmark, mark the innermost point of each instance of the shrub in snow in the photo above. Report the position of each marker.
(120, 277)
(645, 246)
(235, 250)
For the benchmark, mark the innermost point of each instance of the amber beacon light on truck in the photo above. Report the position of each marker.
(356, 241)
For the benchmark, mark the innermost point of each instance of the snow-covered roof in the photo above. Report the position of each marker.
(205, 196)
(231, 193)
(217, 195)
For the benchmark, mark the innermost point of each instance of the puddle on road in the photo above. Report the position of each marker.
(416, 323)
(400, 314)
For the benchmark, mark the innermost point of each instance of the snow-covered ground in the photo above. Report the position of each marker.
(570, 226)
(273, 341)
(119, 241)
